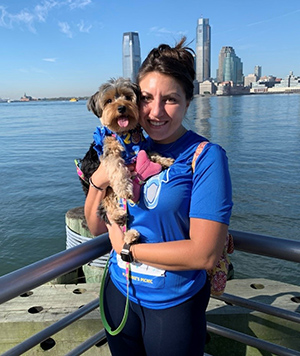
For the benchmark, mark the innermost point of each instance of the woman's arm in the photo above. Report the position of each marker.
(202, 251)
(93, 199)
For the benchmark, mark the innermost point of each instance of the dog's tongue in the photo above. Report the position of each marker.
(123, 121)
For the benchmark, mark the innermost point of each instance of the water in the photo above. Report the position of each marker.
(39, 141)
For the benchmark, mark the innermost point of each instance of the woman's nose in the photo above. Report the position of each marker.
(157, 108)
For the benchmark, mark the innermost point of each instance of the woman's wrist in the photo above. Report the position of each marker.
(98, 179)
(133, 252)
(98, 187)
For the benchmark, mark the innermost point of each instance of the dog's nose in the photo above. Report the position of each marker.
(122, 109)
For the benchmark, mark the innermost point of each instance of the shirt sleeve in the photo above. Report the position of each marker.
(212, 192)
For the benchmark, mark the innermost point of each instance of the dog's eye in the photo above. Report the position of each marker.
(108, 101)
(127, 97)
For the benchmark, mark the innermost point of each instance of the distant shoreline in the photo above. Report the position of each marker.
(43, 99)
(297, 91)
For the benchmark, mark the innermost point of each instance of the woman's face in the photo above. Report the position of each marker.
(163, 107)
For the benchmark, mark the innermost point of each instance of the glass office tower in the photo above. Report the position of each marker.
(230, 66)
(131, 55)
(203, 51)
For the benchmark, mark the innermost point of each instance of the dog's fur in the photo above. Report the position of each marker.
(116, 104)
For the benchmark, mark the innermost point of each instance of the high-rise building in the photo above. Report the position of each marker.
(257, 71)
(131, 55)
(203, 51)
(230, 66)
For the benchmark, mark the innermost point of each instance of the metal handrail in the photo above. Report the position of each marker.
(261, 307)
(251, 341)
(36, 274)
(95, 339)
(52, 329)
(285, 249)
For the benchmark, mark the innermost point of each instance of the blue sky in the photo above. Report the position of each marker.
(69, 47)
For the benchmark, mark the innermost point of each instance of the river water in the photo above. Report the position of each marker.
(40, 140)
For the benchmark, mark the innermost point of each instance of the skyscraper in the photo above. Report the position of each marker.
(203, 50)
(257, 71)
(131, 55)
(230, 66)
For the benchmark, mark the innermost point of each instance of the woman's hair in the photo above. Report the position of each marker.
(177, 62)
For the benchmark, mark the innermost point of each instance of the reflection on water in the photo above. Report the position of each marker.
(199, 116)
(260, 134)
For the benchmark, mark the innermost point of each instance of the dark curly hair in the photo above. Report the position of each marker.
(177, 62)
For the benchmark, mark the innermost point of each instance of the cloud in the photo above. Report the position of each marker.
(49, 59)
(32, 70)
(8, 20)
(84, 28)
(65, 28)
(273, 18)
(39, 14)
(78, 4)
(159, 31)
(41, 10)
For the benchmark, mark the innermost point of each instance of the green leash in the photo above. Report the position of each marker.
(101, 302)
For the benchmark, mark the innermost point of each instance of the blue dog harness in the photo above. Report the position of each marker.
(133, 141)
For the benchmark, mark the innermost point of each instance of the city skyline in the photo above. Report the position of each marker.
(54, 48)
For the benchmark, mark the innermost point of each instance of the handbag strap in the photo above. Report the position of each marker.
(198, 151)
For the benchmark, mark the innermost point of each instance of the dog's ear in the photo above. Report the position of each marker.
(93, 105)
(137, 91)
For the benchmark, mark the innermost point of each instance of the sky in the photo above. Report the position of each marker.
(52, 48)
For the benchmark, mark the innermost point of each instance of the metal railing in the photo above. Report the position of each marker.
(36, 274)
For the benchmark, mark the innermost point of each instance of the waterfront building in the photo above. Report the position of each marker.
(230, 88)
(289, 81)
(203, 50)
(257, 71)
(26, 98)
(131, 55)
(264, 84)
(249, 79)
(230, 66)
(207, 87)
(290, 84)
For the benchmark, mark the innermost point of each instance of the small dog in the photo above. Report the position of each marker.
(116, 104)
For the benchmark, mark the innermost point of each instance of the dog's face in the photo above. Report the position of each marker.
(116, 104)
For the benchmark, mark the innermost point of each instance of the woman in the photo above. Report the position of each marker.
(182, 218)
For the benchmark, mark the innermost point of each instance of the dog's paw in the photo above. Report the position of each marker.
(165, 162)
(131, 236)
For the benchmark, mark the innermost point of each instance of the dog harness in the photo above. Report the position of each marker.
(133, 141)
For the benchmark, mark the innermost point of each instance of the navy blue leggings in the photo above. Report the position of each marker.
(180, 330)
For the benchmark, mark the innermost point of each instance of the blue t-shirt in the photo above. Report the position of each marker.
(167, 201)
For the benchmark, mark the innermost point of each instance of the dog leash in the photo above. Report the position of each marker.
(101, 302)
(101, 295)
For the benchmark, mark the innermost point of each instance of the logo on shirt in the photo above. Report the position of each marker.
(152, 188)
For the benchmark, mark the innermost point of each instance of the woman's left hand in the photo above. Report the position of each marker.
(116, 237)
